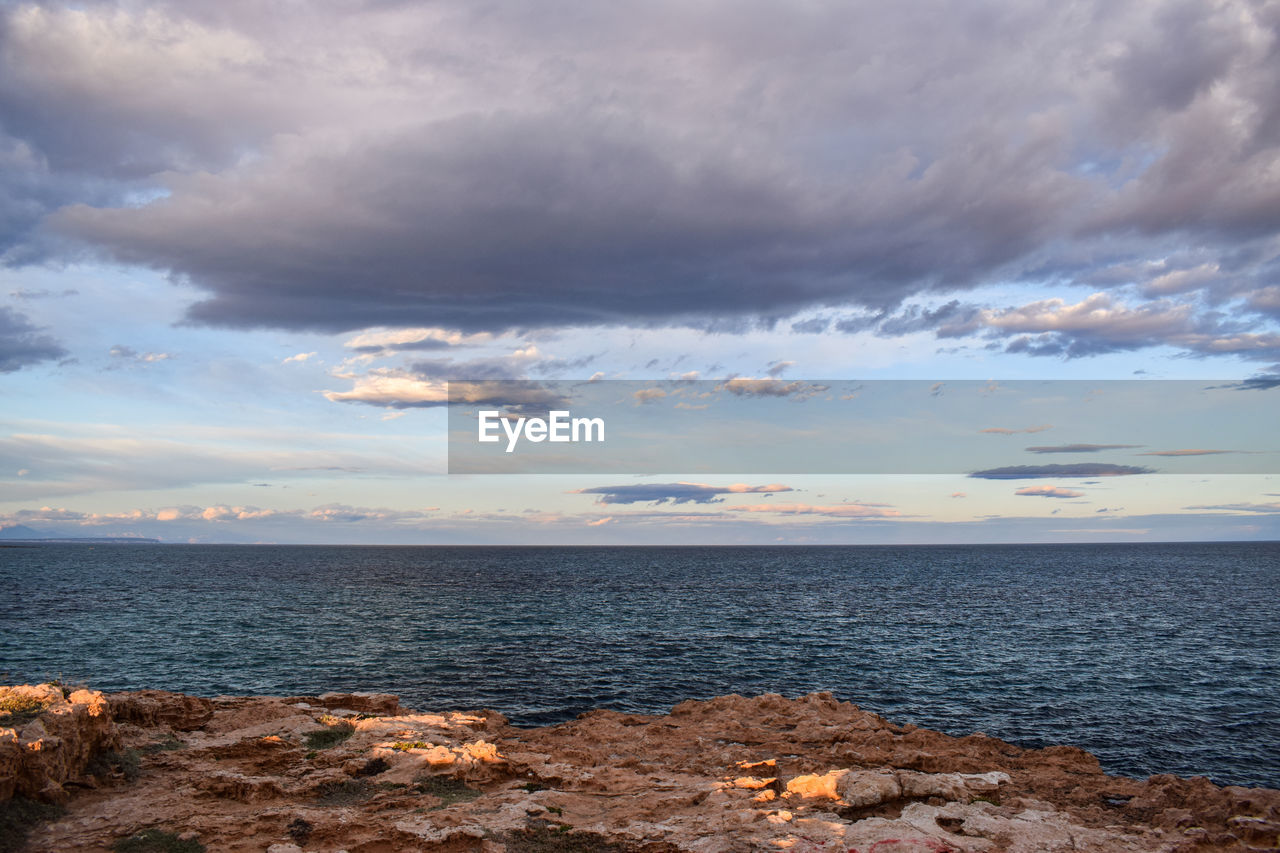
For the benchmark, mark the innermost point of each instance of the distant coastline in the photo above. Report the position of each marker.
(79, 540)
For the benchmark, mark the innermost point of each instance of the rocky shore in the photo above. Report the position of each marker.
(155, 771)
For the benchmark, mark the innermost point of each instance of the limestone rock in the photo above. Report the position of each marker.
(718, 776)
(151, 708)
(40, 754)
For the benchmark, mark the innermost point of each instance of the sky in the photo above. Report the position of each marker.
(244, 247)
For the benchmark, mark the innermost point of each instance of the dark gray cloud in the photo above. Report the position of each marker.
(812, 326)
(24, 294)
(1079, 469)
(1079, 448)
(947, 321)
(22, 344)
(675, 493)
(1265, 382)
(482, 168)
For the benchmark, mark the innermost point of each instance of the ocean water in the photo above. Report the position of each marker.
(1158, 658)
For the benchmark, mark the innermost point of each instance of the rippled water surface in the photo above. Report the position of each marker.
(1158, 658)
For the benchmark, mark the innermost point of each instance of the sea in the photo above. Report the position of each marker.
(1158, 658)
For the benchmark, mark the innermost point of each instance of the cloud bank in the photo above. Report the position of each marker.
(676, 493)
(482, 168)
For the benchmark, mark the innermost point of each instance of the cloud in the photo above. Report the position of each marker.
(1078, 469)
(812, 326)
(648, 395)
(1189, 452)
(778, 368)
(1101, 324)
(427, 383)
(222, 514)
(299, 358)
(1048, 492)
(383, 341)
(950, 320)
(1248, 508)
(114, 459)
(850, 510)
(1007, 431)
(407, 389)
(393, 388)
(123, 353)
(1264, 382)
(1079, 448)
(22, 344)
(24, 294)
(676, 493)
(760, 163)
(796, 389)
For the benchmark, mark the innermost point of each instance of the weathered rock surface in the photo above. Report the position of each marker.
(160, 708)
(39, 755)
(358, 773)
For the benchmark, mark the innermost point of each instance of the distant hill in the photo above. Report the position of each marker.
(21, 531)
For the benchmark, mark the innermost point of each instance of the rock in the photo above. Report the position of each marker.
(870, 788)
(39, 755)
(812, 785)
(707, 777)
(149, 708)
(382, 704)
(237, 786)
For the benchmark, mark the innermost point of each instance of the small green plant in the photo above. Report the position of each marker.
(406, 745)
(311, 753)
(556, 810)
(18, 816)
(157, 841)
(448, 789)
(17, 708)
(331, 735)
(533, 786)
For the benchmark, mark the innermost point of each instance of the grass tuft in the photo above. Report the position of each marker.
(169, 744)
(127, 763)
(348, 792)
(331, 735)
(448, 789)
